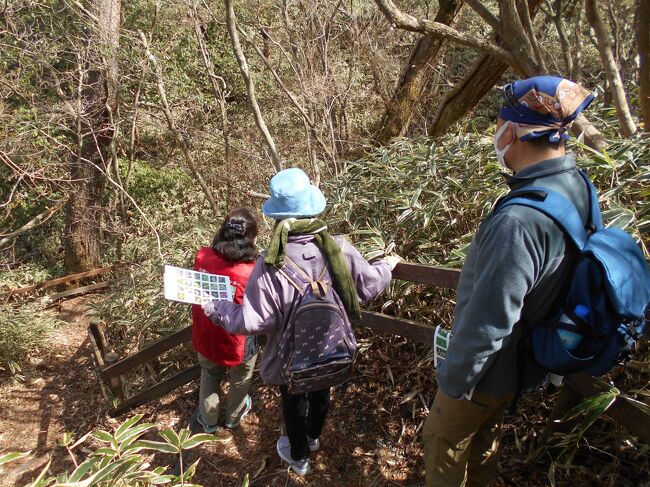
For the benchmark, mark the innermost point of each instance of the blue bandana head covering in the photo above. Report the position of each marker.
(544, 106)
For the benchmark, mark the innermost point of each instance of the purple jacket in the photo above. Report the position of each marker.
(269, 296)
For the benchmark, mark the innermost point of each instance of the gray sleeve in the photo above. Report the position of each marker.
(506, 264)
(258, 314)
(369, 279)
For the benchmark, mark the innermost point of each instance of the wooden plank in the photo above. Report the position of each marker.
(632, 414)
(426, 274)
(94, 327)
(94, 336)
(396, 326)
(98, 360)
(177, 380)
(79, 290)
(62, 280)
(152, 351)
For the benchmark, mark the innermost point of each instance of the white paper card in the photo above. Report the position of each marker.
(441, 339)
(193, 287)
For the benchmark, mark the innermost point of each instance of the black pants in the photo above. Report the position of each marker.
(304, 414)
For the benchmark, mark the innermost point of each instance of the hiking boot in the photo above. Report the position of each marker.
(197, 426)
(248, 404)
(301, 467)
(314, 444)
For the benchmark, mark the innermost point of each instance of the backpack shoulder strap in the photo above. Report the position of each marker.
(553, 205)
(595, 219)
(295, 275)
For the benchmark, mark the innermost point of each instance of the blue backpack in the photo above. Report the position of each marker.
(606, 297)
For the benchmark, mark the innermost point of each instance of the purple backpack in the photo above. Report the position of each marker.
(317, 346)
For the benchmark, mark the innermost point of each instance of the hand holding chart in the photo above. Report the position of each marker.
(193, 287)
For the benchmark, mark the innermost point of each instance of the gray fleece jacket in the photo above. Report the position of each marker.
(514, 271)
(269, 297)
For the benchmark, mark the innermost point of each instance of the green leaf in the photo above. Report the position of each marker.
(197, 440)
(126, 425)
(103, 436)
(128, 436)
(157, 445)
(171, 437)
(10, 457)
(83, 469)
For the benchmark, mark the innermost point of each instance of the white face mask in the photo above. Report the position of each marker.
(501, 153)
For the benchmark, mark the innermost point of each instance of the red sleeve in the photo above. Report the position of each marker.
(199, 258)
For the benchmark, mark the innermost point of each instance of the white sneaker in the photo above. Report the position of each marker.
(314, 445)
(301, 467)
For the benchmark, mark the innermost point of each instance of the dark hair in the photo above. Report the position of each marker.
(235, 240)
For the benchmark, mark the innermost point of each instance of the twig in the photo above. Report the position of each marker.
(170, 123)
(33, 223)
(250, 87)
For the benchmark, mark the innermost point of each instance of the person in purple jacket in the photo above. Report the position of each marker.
(294, 203)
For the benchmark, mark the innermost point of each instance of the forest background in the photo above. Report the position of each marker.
(128, 129)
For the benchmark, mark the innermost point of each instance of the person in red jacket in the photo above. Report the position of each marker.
(233, 254)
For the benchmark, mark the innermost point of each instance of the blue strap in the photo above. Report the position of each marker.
(553, 205)
(595, 219)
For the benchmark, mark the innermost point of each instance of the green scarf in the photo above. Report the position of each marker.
(340, 273)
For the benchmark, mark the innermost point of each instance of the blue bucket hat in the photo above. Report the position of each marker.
(544, 106)
(293, 196)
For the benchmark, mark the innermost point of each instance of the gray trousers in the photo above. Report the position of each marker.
(211, 377)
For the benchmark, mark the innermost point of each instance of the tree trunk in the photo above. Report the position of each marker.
(643, 41)
(96, 108)
(416, 74)
(628, 126)
(466, 94)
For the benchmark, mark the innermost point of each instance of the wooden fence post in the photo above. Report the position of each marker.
(115, 383)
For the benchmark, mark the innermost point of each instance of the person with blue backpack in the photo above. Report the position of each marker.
(301, 295)
(544, 288)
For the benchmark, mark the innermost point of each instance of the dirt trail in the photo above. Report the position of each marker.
(371, 437)
(59, 394)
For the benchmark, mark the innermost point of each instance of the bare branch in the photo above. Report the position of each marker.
(485, 14)
(34, 222)
(408, 22)
(250, 87)
(628, 127)
(170, 123)
(524, 14)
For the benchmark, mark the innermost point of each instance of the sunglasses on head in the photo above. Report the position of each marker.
(510, 99)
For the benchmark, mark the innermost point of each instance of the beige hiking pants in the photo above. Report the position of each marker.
(461, 439)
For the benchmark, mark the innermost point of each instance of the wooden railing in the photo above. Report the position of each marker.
(632, 414)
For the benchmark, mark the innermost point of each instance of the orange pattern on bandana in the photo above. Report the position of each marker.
(566, 100)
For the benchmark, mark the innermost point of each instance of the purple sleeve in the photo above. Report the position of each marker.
(370, 279)
(258, 314)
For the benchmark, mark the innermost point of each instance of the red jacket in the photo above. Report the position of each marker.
(208, 339)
